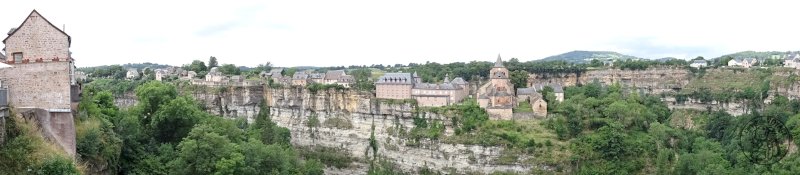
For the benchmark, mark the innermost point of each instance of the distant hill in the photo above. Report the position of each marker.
(580, 56)
(757, 55)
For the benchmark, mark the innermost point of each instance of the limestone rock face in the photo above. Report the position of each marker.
(653, 80)
(291, 108)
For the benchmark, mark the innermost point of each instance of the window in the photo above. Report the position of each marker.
(18, 57)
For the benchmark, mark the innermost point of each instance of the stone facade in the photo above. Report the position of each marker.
(37, 40)
(792, 60)
(38, 85)
(739, 62)
(410, 86)
(42, 78)
(497, 96)
(394, 86)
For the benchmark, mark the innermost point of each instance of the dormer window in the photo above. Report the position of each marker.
(17, 57)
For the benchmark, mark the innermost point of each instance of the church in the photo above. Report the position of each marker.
(497, 96)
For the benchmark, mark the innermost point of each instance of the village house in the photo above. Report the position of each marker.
(317, 78)
(132, 74)
(497, 96)
(742, 62)
(300, 79)
(533, 97)
(214, 75)
(42, 75)
(394, 86)
(332, 76)
(792, 60)
(410, 86)
(345, 81)
(698, 63)
(160, 74)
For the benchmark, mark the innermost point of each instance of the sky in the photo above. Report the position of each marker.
(366, 32)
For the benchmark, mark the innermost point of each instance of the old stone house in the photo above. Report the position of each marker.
(792, 60)
(42, 76)
(300, 79)
(132, 74)
(345, 80)
(532, 96)
(497, 95)
(394, 86)
(317, 78)
(410, 86)
(558, 90)
(742, 62)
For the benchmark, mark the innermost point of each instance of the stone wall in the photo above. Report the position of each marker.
(38, 85)
(37, 38)
(57, 127)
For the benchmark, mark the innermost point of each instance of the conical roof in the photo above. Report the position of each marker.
(499, 62)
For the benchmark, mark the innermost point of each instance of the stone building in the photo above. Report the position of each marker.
(317, 78)
(345, 80)
(132, 73)
(497, 95)
(394, 86)
(42, 77)
(792, 60)
(332, 76)
(410, 86)
(214, 75)
(533, 97)
(558, 90)
(742, 62)
(442, 94)
(300, 79)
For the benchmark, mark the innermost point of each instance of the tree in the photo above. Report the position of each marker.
(175, 119)
(519, 78)
(196, 66)
(212, 62)
(230, 69)
(151, 95)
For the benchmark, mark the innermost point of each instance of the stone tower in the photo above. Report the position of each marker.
(497, 96)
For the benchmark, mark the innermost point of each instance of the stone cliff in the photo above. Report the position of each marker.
(293, 107)
(653, 80)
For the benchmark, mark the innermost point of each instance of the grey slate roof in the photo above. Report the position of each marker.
(334, 74)
(499, 62)
(346, 79)
(395, 78)
(459, 81)
(300, 76)
(526, 91)
(699, 61)
(557, 88)
(316, 76)
(443, 86)
(2, 56)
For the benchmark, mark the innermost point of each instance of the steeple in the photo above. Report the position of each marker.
(499, 62)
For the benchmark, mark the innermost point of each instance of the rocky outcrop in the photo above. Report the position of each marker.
(293, 107)
(653, 80)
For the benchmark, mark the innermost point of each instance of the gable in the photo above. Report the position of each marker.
(34, 13)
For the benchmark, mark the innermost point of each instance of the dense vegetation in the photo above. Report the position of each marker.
(168, 133)
(25, 151)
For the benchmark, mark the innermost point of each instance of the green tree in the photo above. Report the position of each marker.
(175, 119)
(151, 95)
(230, 69)
(196, 66)
(212, 62)
(519, 78)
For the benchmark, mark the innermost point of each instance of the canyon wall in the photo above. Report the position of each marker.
(654, 80)
(293, 107)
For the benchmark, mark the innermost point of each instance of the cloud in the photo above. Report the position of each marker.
(359, 32)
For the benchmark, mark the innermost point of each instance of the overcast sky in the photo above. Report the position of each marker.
(333, 33)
